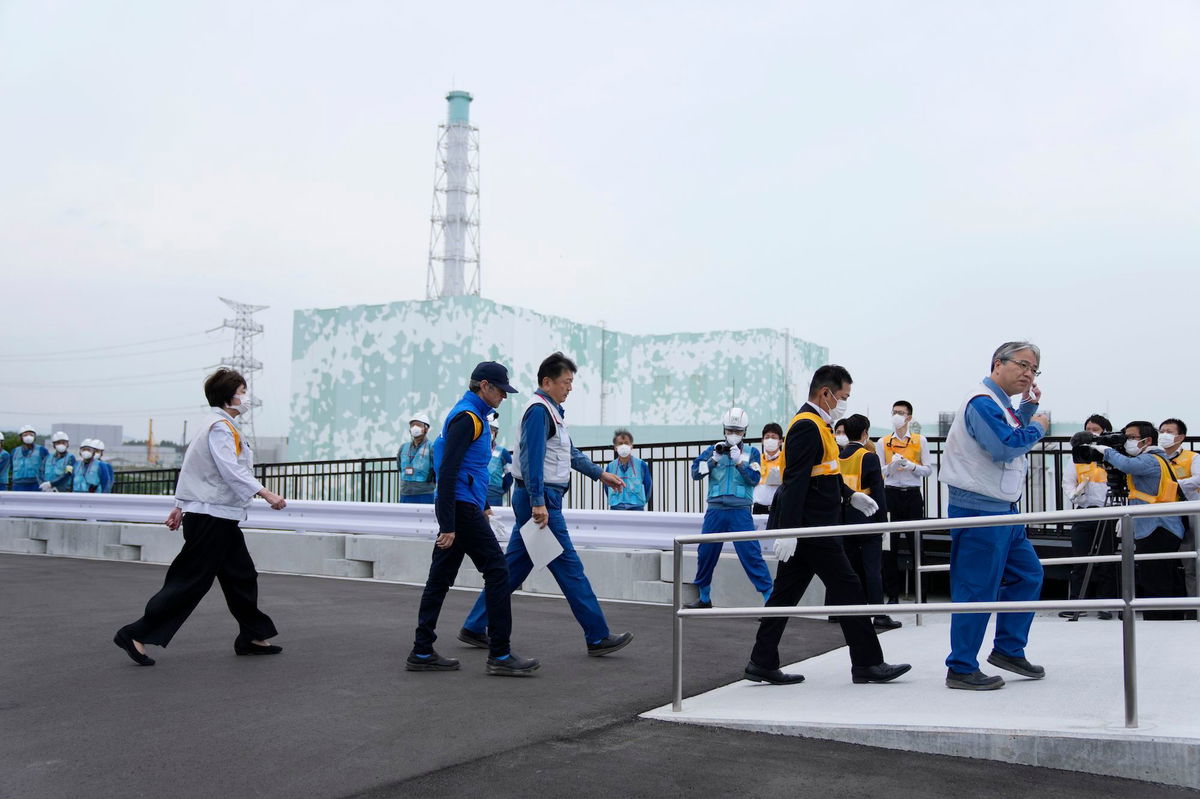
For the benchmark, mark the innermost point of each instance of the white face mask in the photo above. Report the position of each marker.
(838, 410)
(86, 454)
(60, 448)
(1131, 448)
(771, 445)
(733, 439)
(841, 439)
(241, 403)
(1166, 440)
(416, 431)
(898, 421)
(27, 438)
(623, 450)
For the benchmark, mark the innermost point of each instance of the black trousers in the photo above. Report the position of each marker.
(864, 553)
(213, 548)
(473, 538)
(825, 558)
(1159, 577)
(904, 505)
(1103, 584)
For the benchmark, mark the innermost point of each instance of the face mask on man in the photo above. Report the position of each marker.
(27, 438)
(771, 445)
(1132, 449)
(623, 450)
(1166, 440)
(60, 448)
(416, 431)
(86, 454)
(838, 410)
(733, 439)
(898, 421)
(842, 439)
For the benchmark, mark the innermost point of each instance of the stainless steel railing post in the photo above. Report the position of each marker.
(920, 594)
(677, 632)
(1128, 621)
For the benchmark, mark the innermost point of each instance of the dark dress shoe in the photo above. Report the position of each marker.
(430, 662)
(123, 640)
(1105, 615)
(975, 681)
(881, 672)
(699, 604)
(243, 646)
(513, 665)
(1017, 665)
(887, 623)
(756, 673)
(471, 638)
(609, 645)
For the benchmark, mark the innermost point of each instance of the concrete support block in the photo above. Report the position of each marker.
(156, 543)
(75, 539)
(122, 552)
(14, 535)
(342, 567)
(298, 553)
(401, 559)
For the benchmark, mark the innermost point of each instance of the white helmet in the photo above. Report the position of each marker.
(26, 428)
(59, 436)
(97, 444)
(423, 418)
(493, 421)
(735, 419)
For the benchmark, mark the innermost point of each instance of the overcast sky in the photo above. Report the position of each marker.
(907, 183)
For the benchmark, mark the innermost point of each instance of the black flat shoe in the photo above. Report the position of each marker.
(430, 662)
(123, 640)
(248, 648)
(882, 672)
(756, 673)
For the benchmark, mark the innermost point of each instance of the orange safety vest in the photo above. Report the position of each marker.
(1182, 464)
(1090, 473)
(892, 446)
(237, 439)
(851, 468)
(829, 458)
(768, 463)
(1168, 488)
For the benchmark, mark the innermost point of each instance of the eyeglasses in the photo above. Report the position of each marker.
(1025, 366)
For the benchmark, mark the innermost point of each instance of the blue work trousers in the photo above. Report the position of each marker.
(416, 499)
(989, 564)
(566, 568)
(26, 485)
(731, 520)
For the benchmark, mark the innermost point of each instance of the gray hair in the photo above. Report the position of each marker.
(1010, 348)
(475, 385)
(621, 431)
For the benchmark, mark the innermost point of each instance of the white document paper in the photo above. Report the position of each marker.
(540, 543)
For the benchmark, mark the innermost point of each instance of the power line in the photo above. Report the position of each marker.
(164, 411)
(144, 378)
(35, 358)
(109, 347)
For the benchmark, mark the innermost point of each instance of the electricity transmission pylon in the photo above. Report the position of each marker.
(245, 329)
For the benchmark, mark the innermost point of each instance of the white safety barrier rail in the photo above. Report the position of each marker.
(596, 529)
(1127, 603)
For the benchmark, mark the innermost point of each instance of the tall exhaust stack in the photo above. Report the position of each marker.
(454, 223)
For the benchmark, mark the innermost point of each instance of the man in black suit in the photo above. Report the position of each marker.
(812, 495)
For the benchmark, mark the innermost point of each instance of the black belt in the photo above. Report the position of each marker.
(903, 488)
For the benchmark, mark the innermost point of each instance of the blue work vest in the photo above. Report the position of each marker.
(496, 471)
(60, 472)
(472, 483)
(87, 474)
(419, 460)
(634, 492)
(726, 481)
(27, 463)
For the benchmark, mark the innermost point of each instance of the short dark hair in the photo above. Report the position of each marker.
(221, 385)
(1179, 425)
(772, 427)
(621, 431)
(1144, 430)
(1096, 418)
(855, 425)
(904, 404)
(840, 424)
(830, 376)
(554, 366)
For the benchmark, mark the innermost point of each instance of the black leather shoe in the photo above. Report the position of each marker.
(976, 681)
(475, 639)
(1072, 615)
(244, 646)
(609, 645)
(1016, 665)
(756, 673)
(430, 662)
(881, 672)
(123, 640)
(886, 623)
(1105, 615)
(699, 604)
(512, 666)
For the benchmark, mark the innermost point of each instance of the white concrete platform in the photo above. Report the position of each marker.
(1073, 719)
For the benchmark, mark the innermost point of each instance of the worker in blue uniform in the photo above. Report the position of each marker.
(5, 460)
(59, 472)
(107, 478)
(542, 468)
(88, 473)
(415, 463)
(27, 463)
(633, 471)
(984, 464)
(500, 477)
(733, 470)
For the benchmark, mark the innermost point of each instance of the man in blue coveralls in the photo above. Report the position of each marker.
(59, 472)
(415, 463)
(542, 468)
(733, 470)
(985, 466)
(633, 471)
(28, 462)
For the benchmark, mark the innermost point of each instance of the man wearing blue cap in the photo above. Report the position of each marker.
(461, 456)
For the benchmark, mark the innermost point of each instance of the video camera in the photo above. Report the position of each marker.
(722, 448)
(1082, 452)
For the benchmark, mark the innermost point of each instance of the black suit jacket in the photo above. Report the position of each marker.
(871, 482)
(804, 500)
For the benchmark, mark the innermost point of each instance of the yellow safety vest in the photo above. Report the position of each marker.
(1182, 464)
(892, 447)
(1168, 489)
(829, 458)
(237, 439)
(851, 467)
(1090, 473)
(768, 463)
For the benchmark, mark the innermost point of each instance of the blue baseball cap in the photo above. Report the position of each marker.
(494, 373)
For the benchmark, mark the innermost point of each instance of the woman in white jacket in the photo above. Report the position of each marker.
(216, 485)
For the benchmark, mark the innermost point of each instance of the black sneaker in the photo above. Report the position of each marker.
(430, 662)
(1016, 665)
(512, 666)
(471, 638)
(977, 681)
(699, 604)
(609, 645)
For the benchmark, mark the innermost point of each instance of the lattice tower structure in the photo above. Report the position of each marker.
(454, 222)
(243, 360)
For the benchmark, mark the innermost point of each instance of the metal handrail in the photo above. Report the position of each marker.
(1128, 603)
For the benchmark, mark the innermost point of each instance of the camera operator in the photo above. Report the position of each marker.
(1151, 481)
(1085, 485)
(1186, 465)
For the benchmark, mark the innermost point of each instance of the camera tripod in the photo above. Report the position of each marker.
(1105, 532)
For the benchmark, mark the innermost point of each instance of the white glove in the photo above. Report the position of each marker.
(703, 468)
(46, 486)
(1078, 493)
(716, 456)
(1101, 448)
(735, 454)
(863, 503)
(904, 464)
(784, 548)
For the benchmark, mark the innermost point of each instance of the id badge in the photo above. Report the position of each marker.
(409, 471)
